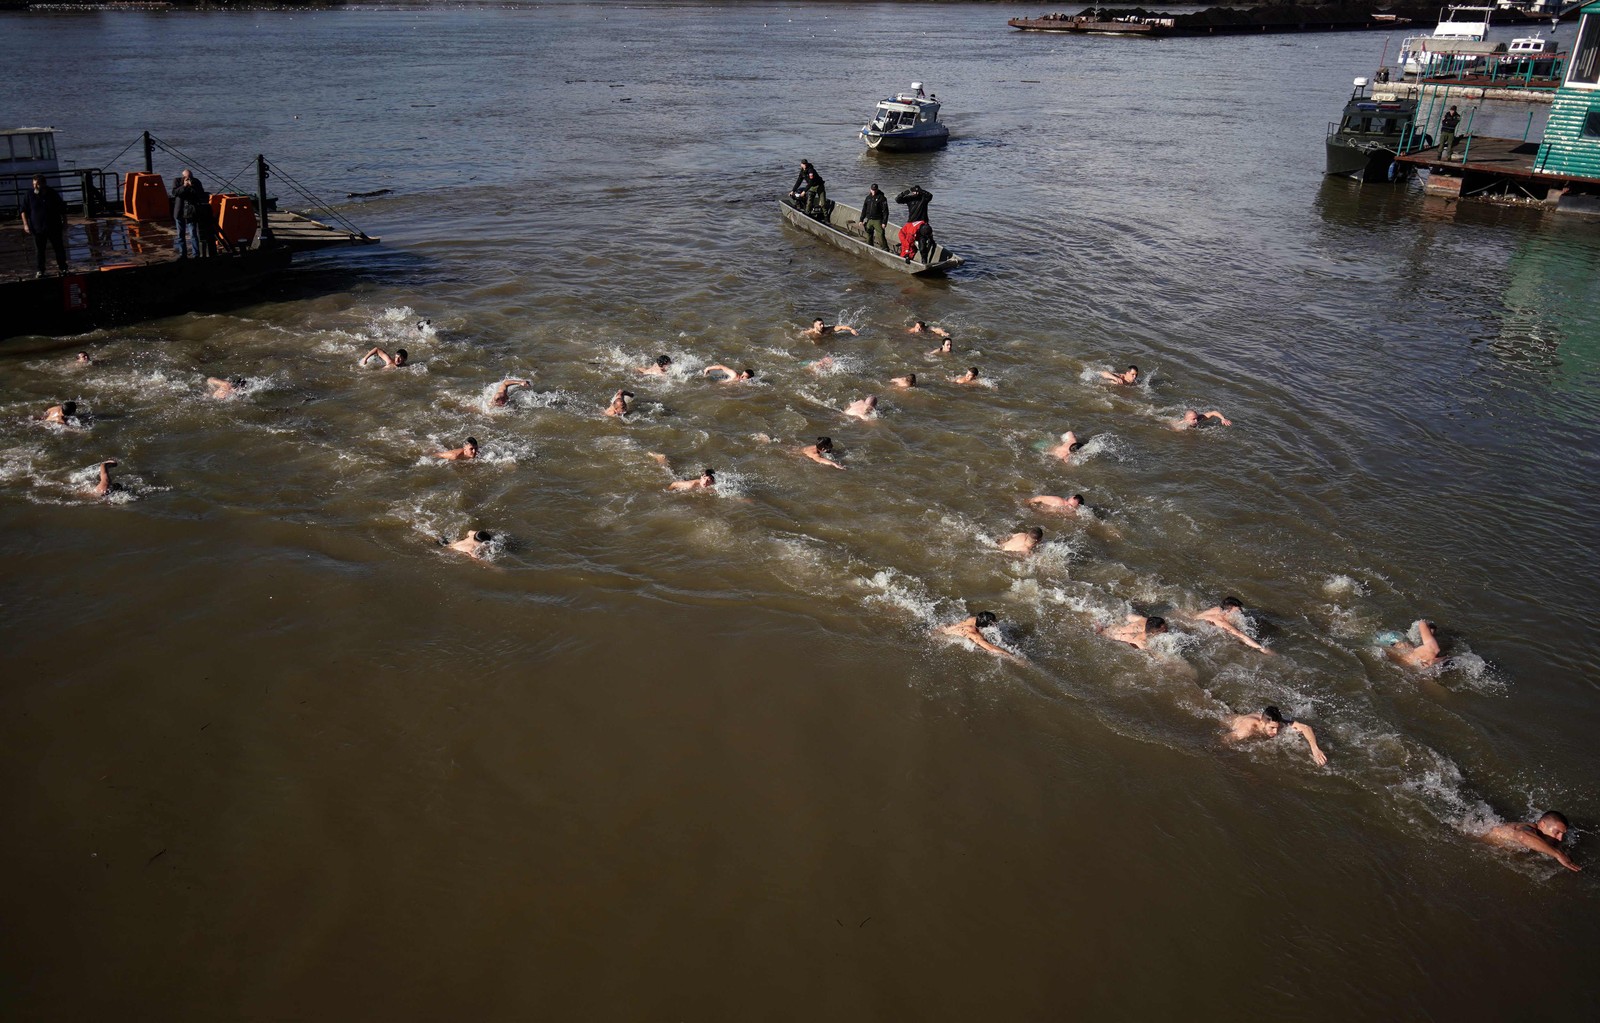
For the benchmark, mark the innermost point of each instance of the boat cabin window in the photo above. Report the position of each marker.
(1591, 125)
(29, 148)
(1585, 69)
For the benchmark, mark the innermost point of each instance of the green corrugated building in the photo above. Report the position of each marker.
(1571, 143)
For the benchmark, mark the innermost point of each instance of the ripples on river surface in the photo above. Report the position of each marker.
(269, 746)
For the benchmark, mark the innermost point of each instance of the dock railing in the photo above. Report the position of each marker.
(88, 191)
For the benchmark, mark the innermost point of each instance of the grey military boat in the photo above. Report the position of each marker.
(837, 230)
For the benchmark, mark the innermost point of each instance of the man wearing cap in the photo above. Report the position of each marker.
(874, 215)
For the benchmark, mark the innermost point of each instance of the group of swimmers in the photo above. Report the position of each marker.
(1544, 835)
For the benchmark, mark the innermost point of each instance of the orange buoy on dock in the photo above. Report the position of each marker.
(144, 197)
(235, 217)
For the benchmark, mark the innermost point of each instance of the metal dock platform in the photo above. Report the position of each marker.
(1504, 170)
(123, 256)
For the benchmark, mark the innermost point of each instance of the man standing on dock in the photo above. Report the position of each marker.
(189, 202)
(1447, 133)
(44, 216)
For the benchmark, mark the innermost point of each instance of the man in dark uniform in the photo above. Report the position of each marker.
(918, 238)
(874, 215)
(44, 216)
(809, 190)
(915, 199)
(1447, 133)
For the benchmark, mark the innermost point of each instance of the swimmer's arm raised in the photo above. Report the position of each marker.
(1219, 417)
(1319, 757)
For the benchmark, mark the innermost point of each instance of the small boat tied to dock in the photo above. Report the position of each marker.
(1363, 143)
(123, 250)
(841, 228)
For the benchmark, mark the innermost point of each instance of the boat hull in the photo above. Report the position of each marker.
(906, 142)
(836, 232)
(87, 298)
(1372, 164)
(1363, 165)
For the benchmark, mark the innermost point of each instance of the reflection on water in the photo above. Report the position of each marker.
(652, 721)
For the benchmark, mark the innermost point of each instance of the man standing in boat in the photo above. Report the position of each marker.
(915, 199)
(809, 191)
(874, 215)
(917, 234)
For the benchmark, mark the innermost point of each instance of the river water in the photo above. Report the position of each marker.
(271, 752)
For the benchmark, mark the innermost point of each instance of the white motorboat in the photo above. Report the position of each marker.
(1460, 38)
(906, 123)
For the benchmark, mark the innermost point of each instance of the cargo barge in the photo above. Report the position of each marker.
(1266, 18)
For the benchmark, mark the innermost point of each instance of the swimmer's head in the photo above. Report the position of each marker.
(1273, 718)
(816, 324)
(707, 473)
(1036, 533)
(872, 401)
(911, 379)
(1191, 417)
(68, 407)
(627, 394)
(1229, 603)
(1075, 501)
(984, 619)
(472, 445)
(919, 326)
(400, 356)
(1154, 624)
(84, 357)
(748, 373)
(482, 535)
(1554, 825)
(972, 370)
(1133, 369)
(237, 381)
(663, 361)
(824, 443)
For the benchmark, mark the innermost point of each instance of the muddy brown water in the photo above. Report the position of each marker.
(271, 753)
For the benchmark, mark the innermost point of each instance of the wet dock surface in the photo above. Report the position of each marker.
(113, 241)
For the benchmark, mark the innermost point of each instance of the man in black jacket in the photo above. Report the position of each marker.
(189, 206)
(874, 215)
(44, 216)
(1447, 133)
(915, 199)
(809, 190)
